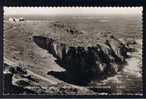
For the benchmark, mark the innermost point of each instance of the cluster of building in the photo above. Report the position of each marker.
(11, 19)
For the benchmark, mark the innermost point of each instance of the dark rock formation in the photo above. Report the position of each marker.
(9, 87)
(87, 63)
(16, 82)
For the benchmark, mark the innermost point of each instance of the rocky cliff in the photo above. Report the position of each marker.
(84, 64)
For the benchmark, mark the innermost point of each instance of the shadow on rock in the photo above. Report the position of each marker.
(9, 88)
(69, 78)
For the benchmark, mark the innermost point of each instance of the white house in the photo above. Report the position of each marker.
(12, 19)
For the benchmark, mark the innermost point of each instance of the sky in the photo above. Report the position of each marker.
(71, 10)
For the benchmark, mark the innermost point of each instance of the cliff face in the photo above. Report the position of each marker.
(87, 63)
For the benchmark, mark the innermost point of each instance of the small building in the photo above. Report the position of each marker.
(16, 19)
(12, 19)
(21, 19)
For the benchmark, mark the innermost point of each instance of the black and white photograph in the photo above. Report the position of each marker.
(73, 51)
